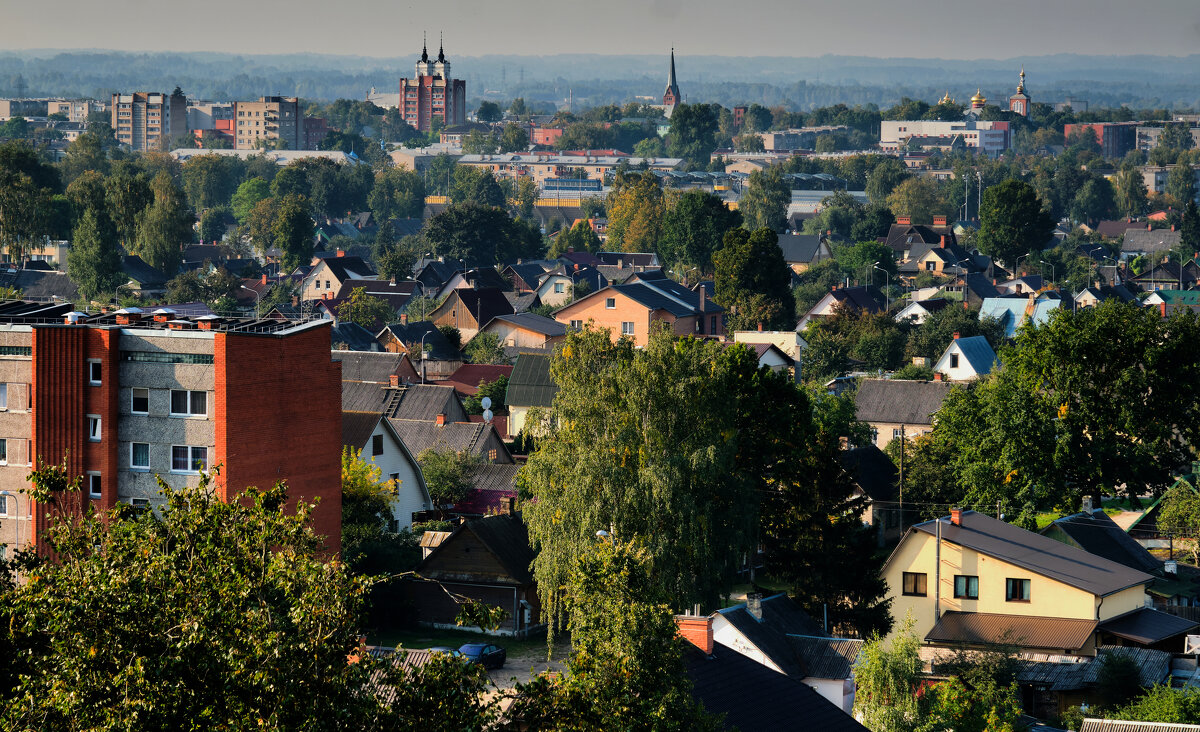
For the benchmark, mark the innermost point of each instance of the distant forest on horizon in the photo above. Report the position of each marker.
(797, 83)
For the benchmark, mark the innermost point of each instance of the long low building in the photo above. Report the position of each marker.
(281, 157)
(545, 166)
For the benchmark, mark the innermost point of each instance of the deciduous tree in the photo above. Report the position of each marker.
(694, 229)
(752, 281)
(94, 259)
(1012, 221)
(165, 226)
(765, 202)
(635, 213)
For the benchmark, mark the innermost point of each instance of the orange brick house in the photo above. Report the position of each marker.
(631, 309)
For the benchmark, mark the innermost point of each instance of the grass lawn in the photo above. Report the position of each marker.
(427, 637)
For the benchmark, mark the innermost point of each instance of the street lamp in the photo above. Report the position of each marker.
(423, 356)
(1017, 264)
(257, 296)
(887, 299)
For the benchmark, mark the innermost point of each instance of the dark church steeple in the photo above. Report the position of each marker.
(671, 96)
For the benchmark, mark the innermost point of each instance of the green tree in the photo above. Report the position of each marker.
(765, 202)
(482, 235)
(513, 138)
(211, 180)
(165, 226)
(1176, 136)
(1180, 516)
(1189, 232)
(449, 475)
(1130, 192)
(1012, 221)
(480, 143)
(485, 348)
(494, 390)
(200, 610)
(920, 199)
(25, 212)
(693, 133)
(1094, 202)
(292, 231)
(636, 209)
(94, 259)
(883, 180)
(1181, 184)
(888, 675)
(398, 193)
(931, 338)
(489, 112)
(694, 228)
(365, 310)
(752, 281)
(247, 196)
(396, 263)
(1163, 704)
(213, 223)
(127, 194)
(579, 238)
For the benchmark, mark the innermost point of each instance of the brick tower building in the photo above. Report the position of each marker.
(671, 98)
(433, 94)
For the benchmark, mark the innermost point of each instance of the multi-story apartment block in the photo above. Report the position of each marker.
(143, 119)
(267, 120)
(432, 94)
(130, 397)
(206, 115)
(991, 137)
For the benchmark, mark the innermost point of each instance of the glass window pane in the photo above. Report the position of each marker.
(199, 402)
(199, 458)
(3, 396)
(179, 457)
(179, 402)
(141, 455)
(141, 400)
(3, 450)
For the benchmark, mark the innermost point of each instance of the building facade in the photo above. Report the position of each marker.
(128, 398)
(271, 121)
(142, 120)
(991, 137)
(433, 95)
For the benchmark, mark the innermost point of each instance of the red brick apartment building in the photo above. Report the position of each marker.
(130, 396)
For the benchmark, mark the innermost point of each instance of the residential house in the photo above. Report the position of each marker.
(1115, 230)
(469, 376)
(971, 289)
(903, 236)
(530, 386)
(972, 580)
(1092, 296)
(776, 633)
(374, 440)
(636, 260)
(493, 490)
(1153, 243)
(470, 310)
(378, 368)
(485, 559)
(1096, 533)
(475, 279)
(802, 251)
(328, 275)
(898, 407)
(347, 336)
(966, 359)
(1022, 285)
(1169, 276)
(849, 300)
(441, 435)
(1013, 312)
(788, 341)
(632, 309)
(438, 359)
(875, 479)
(770, 356)
(144, 280)
(560, 285)
(433, 274)
(40, 286)
(749, 695)
(525, 277)
(918, 311)
(526, 330)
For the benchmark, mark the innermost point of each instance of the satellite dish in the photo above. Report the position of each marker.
(486, 402)
(487, 415)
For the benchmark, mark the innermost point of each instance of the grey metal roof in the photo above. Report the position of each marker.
(900, 401)
(504, 536)
(1026, 631)
(1036, 553)
(359, 396)
(357, 428)
(1098, 534)
(826, 658)
(978, 353)
(799, 248)
(1055, 673)
(536, 323)
(426, 402)
(419, 436)
(781, 618)
(1147, 626)
(530, 384)
(368, 366)
(1156, 240)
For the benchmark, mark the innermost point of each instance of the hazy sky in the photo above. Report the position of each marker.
(918, 28)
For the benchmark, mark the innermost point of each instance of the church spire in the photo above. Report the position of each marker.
(424, 47)
(671, 96)
(671, 75)
(441, 55)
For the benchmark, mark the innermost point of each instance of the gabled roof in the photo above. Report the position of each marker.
(359, 396)
(1150, 241)
(530, 384)
(535, 323)
(1036, 553)
(467, 378)
(980, 285)
(419, 436)
(492, 485)
(434, 274)
(348, 267)
(39, 285)
(977, 351)
(357, 428)
(629, 259)
(523, 303)
(437, 348)
(900, 401)
(1116, 229)
(1011, 311)
(872, 470)
(355, 337)
(826, 658)
(1116, 292)
(903, 236)
(580, 258)
(143, 274)
(425, 402)
(666, 295)
(800, 248)
(858, 298)
(754, 697)
(374, 368)
(1098, 534)
(483, 304)
(530, 275)
(504, 536)
(1147, 626)
(781, 617)
(1030, 282)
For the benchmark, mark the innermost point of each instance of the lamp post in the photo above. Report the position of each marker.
(423, 357)
(887, 299)
(1017, 264)
(257, 296)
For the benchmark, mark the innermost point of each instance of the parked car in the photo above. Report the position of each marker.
(487, 654)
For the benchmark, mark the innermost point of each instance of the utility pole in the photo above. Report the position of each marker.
(901, 478)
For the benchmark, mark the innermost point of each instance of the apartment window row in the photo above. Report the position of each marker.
(165, 357)
(184, 458)
(966, 587)
(16, 451)
(184, 403)
(16, 350)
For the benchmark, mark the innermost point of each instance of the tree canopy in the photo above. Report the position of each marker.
(1012, 221)
(752, 281)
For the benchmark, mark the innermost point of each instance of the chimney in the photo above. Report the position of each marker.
(939, 220)
(394, 380)
(403, 318)
(441, 420)
(956, 334)
(510, 505)
(760, 327)
(937, 376)
(577, 266)
(702, 299)
(697, 630)
(341, 252)
(956, 516)
(754, 605)
(264, 278)
(942, 243)
(1171, 567)
(904, 220)
(570, 250)
(1172, 227)
(1162, 309)
(1087, 504)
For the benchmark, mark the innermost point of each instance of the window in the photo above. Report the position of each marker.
(140, 401)
(94, 485)
(914, 583)
(896, 433)
(3, 505)
(326, 284)
(1016, 590)
(966, 586)
(376, 445)
(94, 373)
(953, 360)
(627, 327)
(560, 287)
(188, 458)
(139, 455)
(610, 303)
(713, 323)
(930, 266)
(3, 396)
(189, 403)
(93, 427)
(492, 454)
(161, 357)
(576, 325)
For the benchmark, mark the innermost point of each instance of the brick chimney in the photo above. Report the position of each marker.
(697, 630)
(441, 420)
(394, 380)
(1172, 227)
(341, 252)
(956, 334)
(1087, 504)
(403, 318)
(942, 243)
(754, 605)
(937, 376)
(939, 220)
(264, 278)
(904, 220)
(760, 327)
(956, 516)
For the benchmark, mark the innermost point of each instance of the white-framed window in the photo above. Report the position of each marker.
(560, 287)
(93, 427)
(189, 403)
(139, 402)
(95, 372)
(610, 303)
(94, 484)
(627, 327)
(576, 325)
(4, 505)
(188, 458)
(3, 396)
(139, 455)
